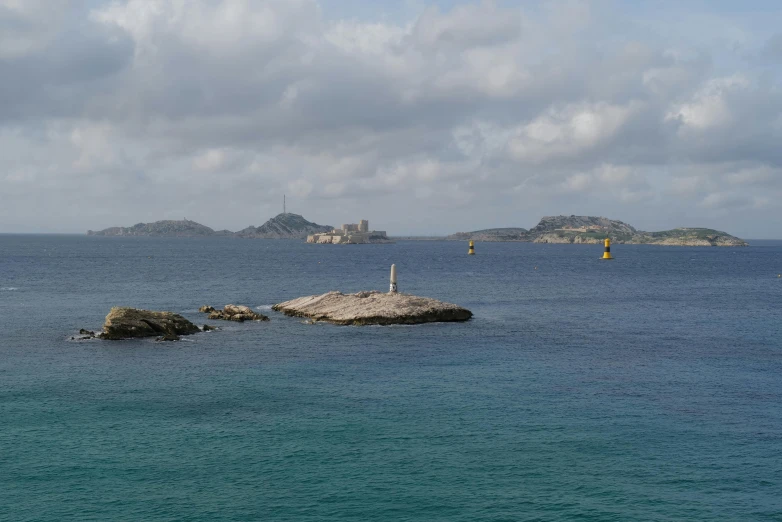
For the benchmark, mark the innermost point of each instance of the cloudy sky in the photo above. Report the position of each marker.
(423, 116)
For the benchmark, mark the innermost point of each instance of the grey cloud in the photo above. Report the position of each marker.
(63, 77)
(458, 28)
(772, 50)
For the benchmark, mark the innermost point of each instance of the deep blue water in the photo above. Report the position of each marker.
(647, 388)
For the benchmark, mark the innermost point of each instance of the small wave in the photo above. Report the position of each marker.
(9, 289)
(264, 307)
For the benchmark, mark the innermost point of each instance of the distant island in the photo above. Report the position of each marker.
(550, 229)
(351, 234)
(593, 230)
(282, 226)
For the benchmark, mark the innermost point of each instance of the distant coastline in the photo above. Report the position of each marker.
(594, 230)
(551, 229)
(282, 226)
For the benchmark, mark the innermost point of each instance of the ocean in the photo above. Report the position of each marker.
(645, 388)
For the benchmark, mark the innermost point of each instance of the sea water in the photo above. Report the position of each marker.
(645, 388)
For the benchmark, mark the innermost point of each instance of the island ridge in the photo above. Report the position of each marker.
(550, 229)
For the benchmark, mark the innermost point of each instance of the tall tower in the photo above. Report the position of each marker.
(283, 204)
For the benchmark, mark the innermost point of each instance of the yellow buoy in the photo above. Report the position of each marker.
(607, 252)
(471, 251)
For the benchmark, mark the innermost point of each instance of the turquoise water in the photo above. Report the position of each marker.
(647, 388)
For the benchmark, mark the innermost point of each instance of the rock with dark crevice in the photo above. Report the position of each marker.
(128, 323)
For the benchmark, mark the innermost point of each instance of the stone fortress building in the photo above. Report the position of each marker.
(351, 234)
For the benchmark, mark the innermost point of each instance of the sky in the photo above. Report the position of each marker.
(425, 117)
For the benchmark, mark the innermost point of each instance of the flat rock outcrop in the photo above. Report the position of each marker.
(237, 313)
(367, 308)
(127, 323)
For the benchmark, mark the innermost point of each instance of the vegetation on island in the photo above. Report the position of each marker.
(592, 230)
(491, 234)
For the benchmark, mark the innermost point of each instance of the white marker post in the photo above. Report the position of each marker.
(392, 290)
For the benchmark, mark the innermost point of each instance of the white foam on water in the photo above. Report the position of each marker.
(264, 307)
(9, 289)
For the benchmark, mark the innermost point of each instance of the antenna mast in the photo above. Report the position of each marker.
(283, 204)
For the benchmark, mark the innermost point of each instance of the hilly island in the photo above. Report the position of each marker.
(592, 230)
(550, 229)
(282, 226)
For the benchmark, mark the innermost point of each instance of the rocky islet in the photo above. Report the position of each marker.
(231, 312)
(373, 308)
(133, 323)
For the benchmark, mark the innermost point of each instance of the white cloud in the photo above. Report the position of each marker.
(578, 182)
(724, 200)
(709, 108)
(466, 26)
(686, 186)
(377, 39)
(569, 131)
(300, 188)
(758, 175)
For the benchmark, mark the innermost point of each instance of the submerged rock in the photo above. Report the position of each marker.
(366, 308)
(125, 323)
(237, 313)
